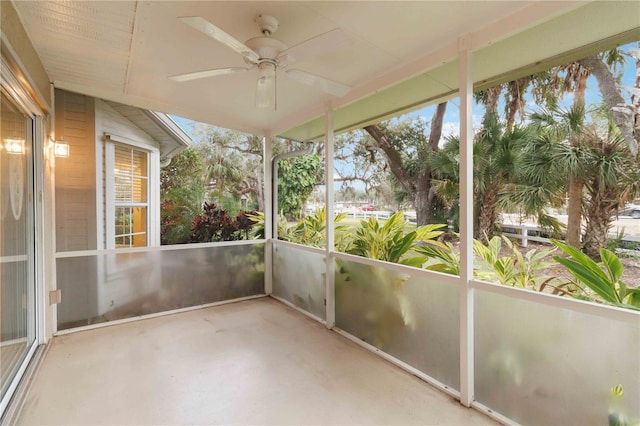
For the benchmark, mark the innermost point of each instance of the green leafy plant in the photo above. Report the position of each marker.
(311, 230)
(297, 178)
(439, 259)
(500, 268)
(616, 242)
(529, 265)
(603, 278)
(516, 269)
(390, 242)
(258, 227)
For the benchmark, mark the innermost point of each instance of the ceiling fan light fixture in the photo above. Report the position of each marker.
(266, 86)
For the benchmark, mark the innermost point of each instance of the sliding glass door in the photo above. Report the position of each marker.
(17, 244)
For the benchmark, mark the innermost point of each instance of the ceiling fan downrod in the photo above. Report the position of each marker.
(267, 24)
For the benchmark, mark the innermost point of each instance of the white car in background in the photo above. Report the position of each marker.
(632, 210)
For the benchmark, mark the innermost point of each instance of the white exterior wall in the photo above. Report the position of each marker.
(111, 127)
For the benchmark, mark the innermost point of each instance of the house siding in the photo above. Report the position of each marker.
(76, 224)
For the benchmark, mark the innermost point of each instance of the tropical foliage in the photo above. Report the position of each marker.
(514, 269)
(391, 241)
(603, 279)
(310, 230)
(215, 224)
(182, 193)
(297, 178)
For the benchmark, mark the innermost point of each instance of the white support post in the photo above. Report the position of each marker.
(525, 235)
(466, 223)
(268, 213)
(329, 198)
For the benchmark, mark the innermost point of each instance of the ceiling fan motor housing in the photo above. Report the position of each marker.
(268, 48)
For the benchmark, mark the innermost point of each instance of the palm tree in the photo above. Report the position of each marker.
(563, 126)
(612, 179)
(540, 181)
(182, 191)
(566, 148)
(573, 77)
(223, 173)
(496, 153)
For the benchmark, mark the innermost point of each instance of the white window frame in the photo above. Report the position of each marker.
(153, 189)
(130, 205)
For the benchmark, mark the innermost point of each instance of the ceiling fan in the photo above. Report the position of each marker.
(268, 54)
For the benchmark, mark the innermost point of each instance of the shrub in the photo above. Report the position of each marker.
(215, 224)
(390, 242)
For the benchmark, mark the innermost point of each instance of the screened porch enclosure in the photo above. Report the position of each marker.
(188, 333)
(537, 359)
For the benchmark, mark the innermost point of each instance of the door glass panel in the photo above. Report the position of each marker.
(17, 263)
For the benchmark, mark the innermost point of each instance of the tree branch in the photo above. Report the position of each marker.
(393, 159)
(614, 100)
(240, 149)
(436, 126)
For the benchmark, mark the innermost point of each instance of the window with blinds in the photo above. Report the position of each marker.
(131, 178)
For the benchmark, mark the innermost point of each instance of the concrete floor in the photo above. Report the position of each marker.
(253, 362)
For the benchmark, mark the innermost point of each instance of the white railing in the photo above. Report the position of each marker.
(526, 233)
(380, 215)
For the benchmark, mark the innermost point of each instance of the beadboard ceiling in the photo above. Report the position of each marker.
(402, 53)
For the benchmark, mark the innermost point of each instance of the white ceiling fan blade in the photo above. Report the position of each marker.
(216, 33)
(320, 45)
(329, 86)
(208, 73)
(266, 88)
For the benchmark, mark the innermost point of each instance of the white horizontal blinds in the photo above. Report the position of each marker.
(131, 176)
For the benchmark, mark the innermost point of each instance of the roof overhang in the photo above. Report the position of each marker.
(404, 54)
(171, 138)
(576, 34)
